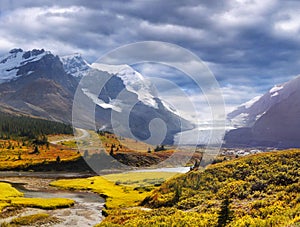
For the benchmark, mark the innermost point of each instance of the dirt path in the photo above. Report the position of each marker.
(84, 134)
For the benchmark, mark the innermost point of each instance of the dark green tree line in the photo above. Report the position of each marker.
(32, 128)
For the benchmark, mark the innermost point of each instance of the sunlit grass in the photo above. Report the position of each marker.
(163, 217)
(15, 154)
(43, 203)
(139, 179)
(57, 137)
(69, 143)
(263, 190)
(10, 196)
(120, 190)
(8, 192)
(123, 144)
(31, 220)
(116, 195)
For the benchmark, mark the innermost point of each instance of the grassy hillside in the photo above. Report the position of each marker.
(24, 144)
(258, 190)
(121, 150)
(23, 155)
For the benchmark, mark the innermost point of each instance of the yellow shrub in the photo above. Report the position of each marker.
(44, 203)
(7, 191)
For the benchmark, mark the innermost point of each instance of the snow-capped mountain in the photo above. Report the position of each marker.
(41, 84)
(248, 113)
(35, 83)
(270, 120)
(133, 81)
(14, 60)
(126, 89)
(75, 65)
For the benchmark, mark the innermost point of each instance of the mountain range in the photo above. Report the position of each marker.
(272, 119)
(38, 83)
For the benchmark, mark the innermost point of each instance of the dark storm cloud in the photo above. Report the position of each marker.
(245, 43)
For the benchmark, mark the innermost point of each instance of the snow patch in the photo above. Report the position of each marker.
(75, 65)
(240, 120)
(275, 94)
(111, 69)
(28, 73)
(113, 104)
(251, 102)
(276, 88)
(11, 62)
(169, 107)
(259, 116)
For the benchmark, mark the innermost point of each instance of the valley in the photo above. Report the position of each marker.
(255, 193)
(150, 113)
(260, 188)
(97, 172)
(256, 190)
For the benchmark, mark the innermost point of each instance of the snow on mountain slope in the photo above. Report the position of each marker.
(248, 113)
(78, 67)
(75, 65)
(41, 84)
(251, 102)
(271, 121)
(169, 107)
(16, 58)
(133, 81)
(113, 104)
(275, 89)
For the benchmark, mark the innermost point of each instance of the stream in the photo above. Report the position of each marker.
(86, 211)
(88, 206)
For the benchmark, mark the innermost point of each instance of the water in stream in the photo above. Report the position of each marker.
(86, 211)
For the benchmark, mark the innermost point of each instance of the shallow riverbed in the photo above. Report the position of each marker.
(85, 212)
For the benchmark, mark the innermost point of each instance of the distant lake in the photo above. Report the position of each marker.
(180, 169)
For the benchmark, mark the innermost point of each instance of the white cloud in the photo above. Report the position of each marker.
(5, 44)
(171, 31)
(191, 100)
(184, 95)
(236, 95)
(241, 13)
(288, 24)
(246, 43)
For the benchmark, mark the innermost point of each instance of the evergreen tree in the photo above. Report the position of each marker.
(36, 150)
(177, 194)
(111, 153)
(225, 214)
(30, 128)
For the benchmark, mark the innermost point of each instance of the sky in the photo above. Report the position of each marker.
(249, 45)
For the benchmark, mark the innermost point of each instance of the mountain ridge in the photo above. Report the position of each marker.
(271, 120)
(41, 84)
